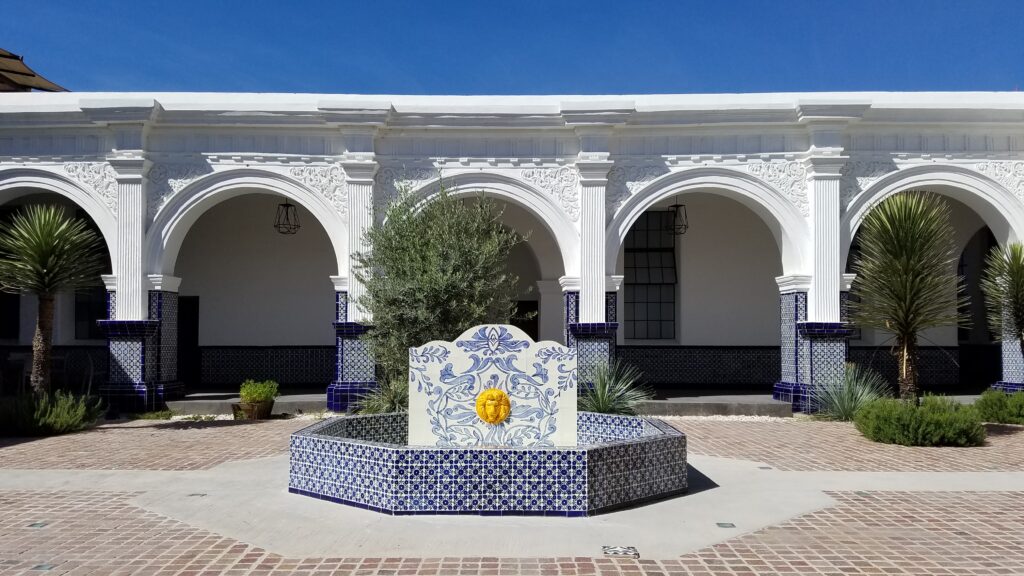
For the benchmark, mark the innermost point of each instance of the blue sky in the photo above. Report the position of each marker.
(522, 47)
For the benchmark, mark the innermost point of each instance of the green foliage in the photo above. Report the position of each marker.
(1003, 285)
(43, 251)
(841, 399)
(390, 396)
(936, 421)
(904, 283)
(1001, 408)
(616, 389)
(433, 271)
(47, 414)
(154, 415)
(254, 391)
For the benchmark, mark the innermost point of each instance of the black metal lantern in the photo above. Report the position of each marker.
(287, 219)
(680, 222)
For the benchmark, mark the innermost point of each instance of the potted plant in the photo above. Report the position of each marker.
(257, 400)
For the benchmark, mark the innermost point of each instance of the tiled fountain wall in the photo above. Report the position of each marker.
(363, 461)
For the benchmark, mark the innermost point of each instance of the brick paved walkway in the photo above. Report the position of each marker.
(152, 445)
(816, 445)
(948, 533)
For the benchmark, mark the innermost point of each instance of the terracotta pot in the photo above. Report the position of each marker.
(253, 410)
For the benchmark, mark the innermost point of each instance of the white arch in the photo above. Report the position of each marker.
(542, 205)
(33, 180)
(164, 238)
(997, 206)
(787, 225)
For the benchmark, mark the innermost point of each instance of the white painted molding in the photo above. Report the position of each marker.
(569, 283)
(613, 283)
(163, 282)
(847, 282)
(794, 283)
(340, 283)
(109, 282)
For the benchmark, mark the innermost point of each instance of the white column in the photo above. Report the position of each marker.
(593, 181)
(132, 300)
(359, 177)
(826, 283)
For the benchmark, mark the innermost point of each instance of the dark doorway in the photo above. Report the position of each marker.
(527, 318)
(188, 342)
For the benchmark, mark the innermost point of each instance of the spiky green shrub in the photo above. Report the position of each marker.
(904, 283)
(842, 398)
(42, 252)
(1003, 286)
(253, 391)
(48, 414)
(936, 421)
(390, 396)
(1000, 407)
(616, 389)
(432, 271)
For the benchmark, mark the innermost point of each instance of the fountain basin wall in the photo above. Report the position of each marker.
(364, 461)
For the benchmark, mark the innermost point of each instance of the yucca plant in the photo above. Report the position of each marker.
(842, 398)
(390, 396)
(905, 282)
(616, 389)
(1003, 286)
(42, 252)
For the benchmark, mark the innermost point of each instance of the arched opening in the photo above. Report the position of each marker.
(537, 265)
(254, 303)
(951, 358)
(79, 360)
(699, 312)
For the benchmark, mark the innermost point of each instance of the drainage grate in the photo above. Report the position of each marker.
(765, 467)
(37, 524)
(197, 494)
(620, 551)
(42, 567)
(725, 524)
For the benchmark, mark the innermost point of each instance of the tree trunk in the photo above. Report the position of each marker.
(42, 344)
(906, 358)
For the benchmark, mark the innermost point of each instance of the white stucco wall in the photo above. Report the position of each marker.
(726, 267)
(257, 287)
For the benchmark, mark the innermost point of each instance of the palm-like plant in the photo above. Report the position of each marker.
(1003, 285)
(615, 390)
(905, 282)
(42, 252)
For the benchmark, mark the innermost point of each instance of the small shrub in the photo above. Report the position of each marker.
(841, 399)
(616, 390)
(390, 396)
(1001, 408)
(253, 391)
(49, 414)
(936, 421)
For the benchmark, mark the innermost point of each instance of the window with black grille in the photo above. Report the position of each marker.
(650, 278)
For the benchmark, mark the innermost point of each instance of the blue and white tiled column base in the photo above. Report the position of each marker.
(595, 346)
(132, 384)
(812, 353)
(163, 306)
(1013, 366)
(356, 371)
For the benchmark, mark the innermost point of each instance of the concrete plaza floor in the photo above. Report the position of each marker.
(768, 496)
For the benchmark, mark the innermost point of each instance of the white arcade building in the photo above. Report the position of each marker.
(703, 238)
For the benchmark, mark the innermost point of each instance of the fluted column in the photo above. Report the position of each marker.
(131, 221)
(593, 181)
(823, 175)
(359, 177)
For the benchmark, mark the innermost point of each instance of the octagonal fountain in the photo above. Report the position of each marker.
(492, 428)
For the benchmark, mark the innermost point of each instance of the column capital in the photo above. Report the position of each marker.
(109, 282)
(825, 167)
(129, 166)
(846, 282)
(360, 171)
(340, 283)
(570, 283)
(793, 283)
(163, 282)
(594, 171)
(613, 283)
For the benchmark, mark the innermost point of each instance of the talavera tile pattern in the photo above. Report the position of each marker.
(539, 379)
(363, 461)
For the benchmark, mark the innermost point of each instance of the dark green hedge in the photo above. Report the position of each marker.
(936, 421)
(54, 413)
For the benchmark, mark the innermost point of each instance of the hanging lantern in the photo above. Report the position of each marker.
(287, 219)
(680, 222)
